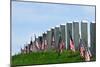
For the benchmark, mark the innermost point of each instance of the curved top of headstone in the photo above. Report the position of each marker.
(52, 27)
(57, 26)
(63, 24)
(76, 21)
(93, 22)
(84, 21)
(69, 22)
(48, 29)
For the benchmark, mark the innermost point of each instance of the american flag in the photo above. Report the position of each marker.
(36, 43)
(43, 45)
(62, 45)
(81, 48)
(90, 53)
(45, 42)
(87, 55)
(72, 47)
(52, 39)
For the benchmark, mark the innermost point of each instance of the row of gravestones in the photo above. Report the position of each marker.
(74, 29)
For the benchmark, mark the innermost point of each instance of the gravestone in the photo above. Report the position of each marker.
(93, 38)
(68, 29)
(56, 33)
(84, 33)
(75, 34)
(62, 30)
(49, 39)
(53, 44)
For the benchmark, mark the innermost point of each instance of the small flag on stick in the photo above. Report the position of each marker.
(81, 48)
(87, 55)
(72, 47)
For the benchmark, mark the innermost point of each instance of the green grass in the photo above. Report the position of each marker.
(46, 58)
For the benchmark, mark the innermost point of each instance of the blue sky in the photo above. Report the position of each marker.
(31, 17)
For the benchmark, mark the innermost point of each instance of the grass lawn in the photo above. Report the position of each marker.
(46, 58)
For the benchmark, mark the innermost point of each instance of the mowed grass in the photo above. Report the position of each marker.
(51, 57)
